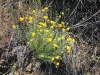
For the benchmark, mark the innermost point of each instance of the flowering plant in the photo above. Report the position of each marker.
(49, 38)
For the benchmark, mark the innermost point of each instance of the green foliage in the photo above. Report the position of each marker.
(47, 37)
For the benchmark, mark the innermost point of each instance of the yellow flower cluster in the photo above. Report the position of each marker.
(52, 59)
(63, 29)
(62, 22)
(41, 25)
(60, 25)
(55, 46)
(56, 60)
(34, 11)
(59, 39)
(29, 18)
(63, 37)
(68, 28)
(33, 34)
(51, 34)
(31, 40)
(68, 48)
(57, 57)
(41, 30)
(53, 22)
(21, 18)
(46, 31)
(62, 13)
(57, 64)
(45, 17)
(45, 9)
(14, 26)
(70, 40)
(51, 27)
(49, 37)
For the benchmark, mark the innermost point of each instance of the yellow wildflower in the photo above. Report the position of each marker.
(49, 39)
(52, 59)
(21, 18)
(48, 20)
(46, 31)
(62, 13)
(45, 17)
(53, 22)
(63, 30)
(31, 40)
(68, 28)
(59, 16)
(63, 37)
(30, 18)
(43, 10)
(57, 64)
(44, 24)
(33, 34)
(41, 23)
(73, 40)
(34, 11)
(26, 17)
(41, 30)
(70, 39)
(13, 26)
(58, 39)
(62, 22)
(55, 45)
(57, 57)
(60, 25)
(68, 52)
(30, 21)
(46, 8)
(51, 27)
(51, 34)
(39, 26)
(68, 48)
